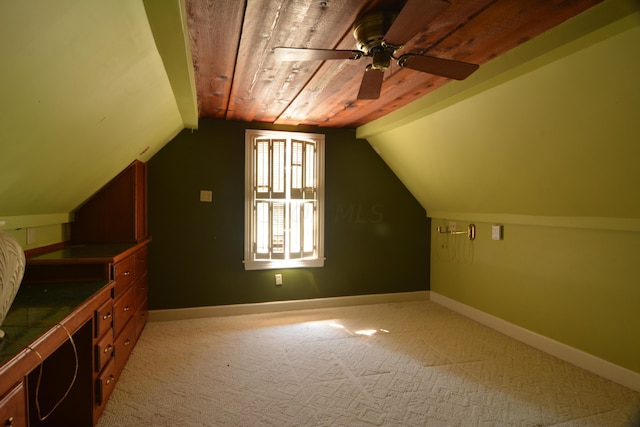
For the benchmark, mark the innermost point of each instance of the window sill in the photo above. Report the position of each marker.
(271, 265)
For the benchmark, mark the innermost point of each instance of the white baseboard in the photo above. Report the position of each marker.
(276, 306)
(608, 370)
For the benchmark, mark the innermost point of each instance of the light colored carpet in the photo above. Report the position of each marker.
(398, 364)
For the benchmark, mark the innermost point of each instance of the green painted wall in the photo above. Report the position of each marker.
(376, 233)
(574, 285)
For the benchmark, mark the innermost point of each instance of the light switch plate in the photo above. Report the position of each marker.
(496, 232)
(206, 195)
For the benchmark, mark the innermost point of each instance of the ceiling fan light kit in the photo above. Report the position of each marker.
(380, 35)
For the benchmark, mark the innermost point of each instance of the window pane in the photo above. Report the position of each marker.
(278, 228)
(279, 166)
(294, 236)
(262, 166)
(310, 166)
(262, 228)
(296, 168)
(309, 220)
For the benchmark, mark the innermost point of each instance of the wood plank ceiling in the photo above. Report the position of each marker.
(238, 78)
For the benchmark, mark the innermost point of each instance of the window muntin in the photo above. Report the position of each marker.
(284, 200)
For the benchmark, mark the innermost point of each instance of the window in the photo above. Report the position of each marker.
(284, 200)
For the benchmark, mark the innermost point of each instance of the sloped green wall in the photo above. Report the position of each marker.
(83, 93)
(555, 135)
(376, 233)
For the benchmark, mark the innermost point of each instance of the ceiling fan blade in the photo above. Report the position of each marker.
(303, 54)
(414, 17)
(441, 67)
(371, 83)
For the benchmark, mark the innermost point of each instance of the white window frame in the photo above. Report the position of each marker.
(310, 198)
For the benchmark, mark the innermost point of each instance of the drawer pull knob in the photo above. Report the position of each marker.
(126, 308)
(108, 349)
(106, 316)
(110, 379)
(9, 422)
(127, 342)
(127, 273)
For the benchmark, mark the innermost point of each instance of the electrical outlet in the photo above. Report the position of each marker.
(278, 279)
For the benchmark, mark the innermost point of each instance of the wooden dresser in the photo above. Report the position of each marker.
(79, 312)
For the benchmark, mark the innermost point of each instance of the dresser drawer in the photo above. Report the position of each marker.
(124, 343)
(105, 384)
(13, 407)
(123, 310)
(104, 350)
(104, 318)
(124, 274)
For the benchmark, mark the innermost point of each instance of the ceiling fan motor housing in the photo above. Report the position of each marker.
(369, 30)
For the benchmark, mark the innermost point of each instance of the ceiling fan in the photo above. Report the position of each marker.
(380, 35)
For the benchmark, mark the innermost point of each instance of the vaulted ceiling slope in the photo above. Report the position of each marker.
(239, 78)
(83, 93)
